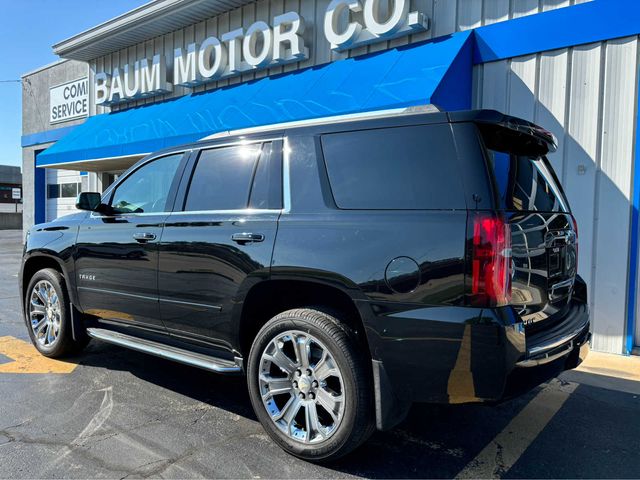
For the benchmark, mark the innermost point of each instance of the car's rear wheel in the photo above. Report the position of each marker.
(48, 315)
(310, 386)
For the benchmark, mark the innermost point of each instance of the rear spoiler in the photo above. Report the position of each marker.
(522, 136)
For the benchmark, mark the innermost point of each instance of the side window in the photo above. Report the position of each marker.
(222, 178)
(266, 192)
(147, 189)
(400, 168)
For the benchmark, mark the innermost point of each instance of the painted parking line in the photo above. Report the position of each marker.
(507, 447)
(26, 359)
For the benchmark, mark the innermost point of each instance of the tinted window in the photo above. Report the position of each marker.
(523, 177)
(147, 189)
(222, 178)
(266, 192)
(394, 168)
(525, 183)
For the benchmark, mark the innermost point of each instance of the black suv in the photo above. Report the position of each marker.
(348, 266)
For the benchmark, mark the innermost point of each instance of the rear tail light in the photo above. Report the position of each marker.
(490, 260)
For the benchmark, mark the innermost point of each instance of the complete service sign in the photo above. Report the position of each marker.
(69, 100)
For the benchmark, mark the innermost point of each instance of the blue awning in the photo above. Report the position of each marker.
(437, 71)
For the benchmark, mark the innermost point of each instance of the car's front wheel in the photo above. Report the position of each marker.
(310, 386)
(48, 315)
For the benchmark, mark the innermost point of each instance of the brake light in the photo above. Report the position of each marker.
(490, 261)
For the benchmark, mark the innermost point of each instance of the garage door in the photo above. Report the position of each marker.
(63, 187)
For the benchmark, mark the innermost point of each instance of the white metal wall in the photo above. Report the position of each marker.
(587, 96)
(57, 207)
(447, 16)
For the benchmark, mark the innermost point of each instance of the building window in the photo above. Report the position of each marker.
(6, 193)
(53, 191)
(63, 190)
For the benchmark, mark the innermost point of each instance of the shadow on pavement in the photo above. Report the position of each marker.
(221, 391)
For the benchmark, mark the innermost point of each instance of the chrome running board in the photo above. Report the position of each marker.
(199, 360)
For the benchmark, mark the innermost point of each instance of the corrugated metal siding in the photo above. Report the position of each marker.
(447, 16)
(587, 96)
(122, 33)
(613, 191)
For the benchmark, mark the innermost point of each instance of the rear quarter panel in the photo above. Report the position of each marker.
(356, 247)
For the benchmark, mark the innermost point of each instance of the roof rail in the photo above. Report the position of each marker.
(350, 117)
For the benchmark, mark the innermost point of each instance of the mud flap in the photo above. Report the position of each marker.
(390, 410)
(78, 329)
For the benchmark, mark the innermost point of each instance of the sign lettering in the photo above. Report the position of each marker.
(69, 100)
(347, 24)
(236, 52)
(399, 22)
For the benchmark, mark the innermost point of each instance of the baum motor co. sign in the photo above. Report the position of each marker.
(69, 100)
(347, 24)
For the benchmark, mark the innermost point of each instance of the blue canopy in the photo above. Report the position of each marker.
(437, 71)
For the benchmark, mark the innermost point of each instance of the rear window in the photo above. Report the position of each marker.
(401, 168)
(524, 178)
(526, 183)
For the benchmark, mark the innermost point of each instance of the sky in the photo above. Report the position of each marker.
(28, 29)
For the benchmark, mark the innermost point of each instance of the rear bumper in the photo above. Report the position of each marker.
(465, 355)
(523, 379)
(559, 341)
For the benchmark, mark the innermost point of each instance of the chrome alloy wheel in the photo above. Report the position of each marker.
(45, 315)
(301, 386)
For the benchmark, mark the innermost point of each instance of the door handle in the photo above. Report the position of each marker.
(144, 237)
(244, 238)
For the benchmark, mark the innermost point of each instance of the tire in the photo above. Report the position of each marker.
(52, 287)
(337, 379)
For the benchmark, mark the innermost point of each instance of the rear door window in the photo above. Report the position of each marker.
(400, 168)
(266, 192)
(222, 178)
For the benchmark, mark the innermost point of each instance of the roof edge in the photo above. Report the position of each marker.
(133, 26)
(122, 22)
(43, 67)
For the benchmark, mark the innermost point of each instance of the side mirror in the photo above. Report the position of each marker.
(89, 201)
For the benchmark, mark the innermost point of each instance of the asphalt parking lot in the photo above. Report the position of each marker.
(114, 413)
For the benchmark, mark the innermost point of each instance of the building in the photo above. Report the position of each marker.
(10, 197)
(173, 71)
(10, 189)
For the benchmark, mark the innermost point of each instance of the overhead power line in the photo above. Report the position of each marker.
(9, 81)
